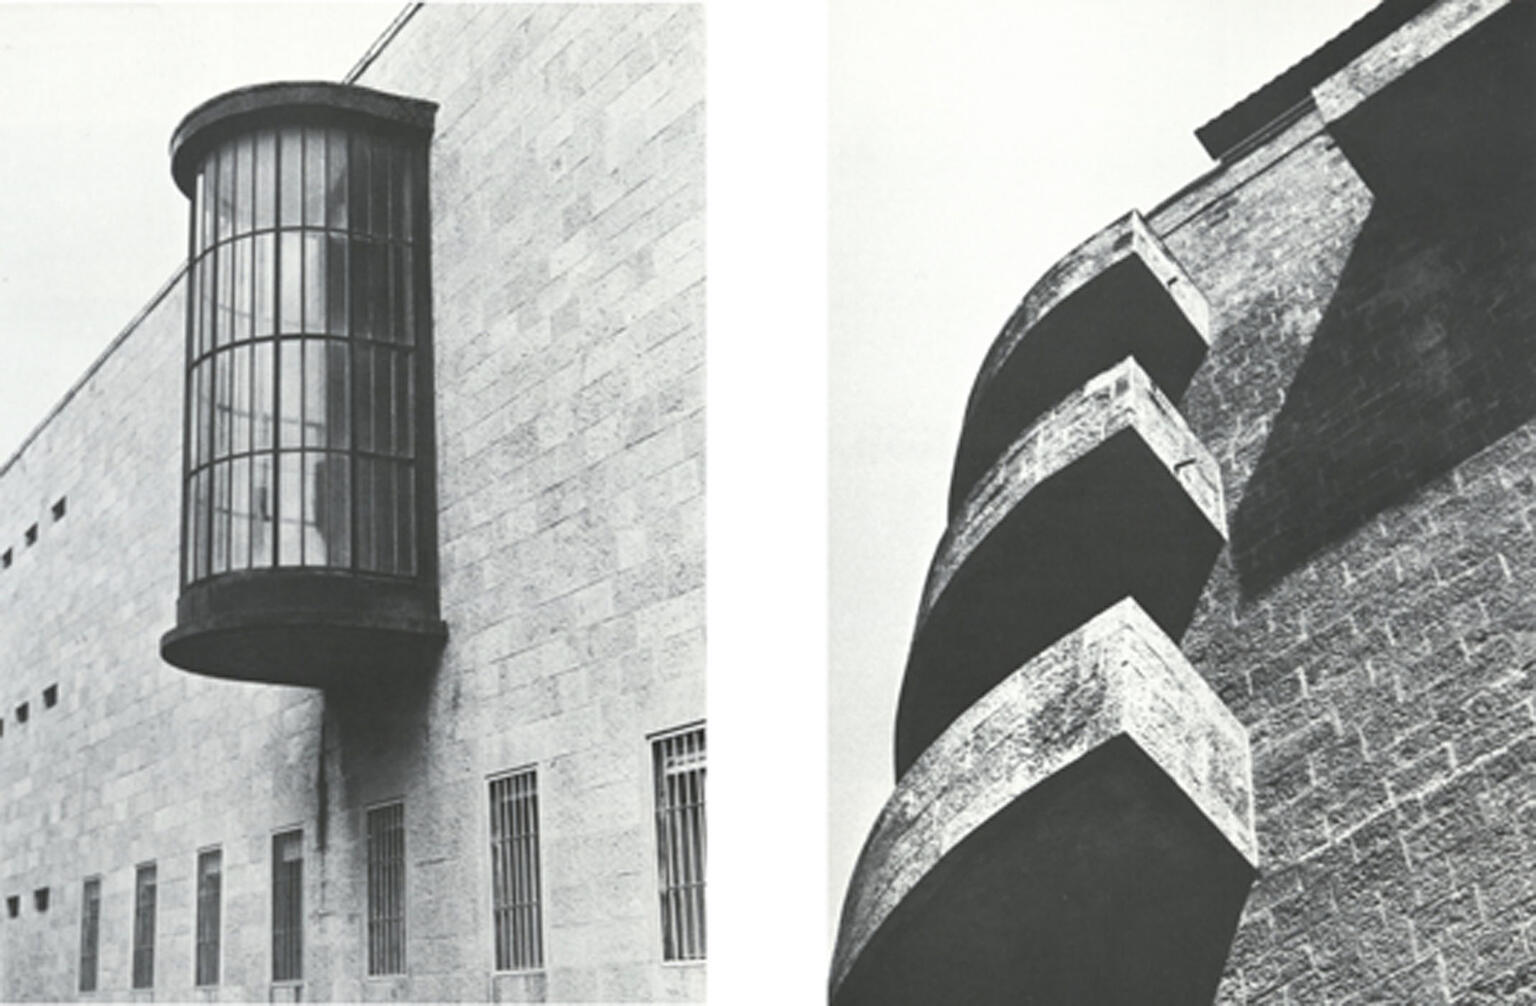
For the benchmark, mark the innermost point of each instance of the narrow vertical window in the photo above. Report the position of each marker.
(210, 882)
(515, 902)
(681, 842)
(90, 932)
(288, 906)
(144, 927)
(386, 890)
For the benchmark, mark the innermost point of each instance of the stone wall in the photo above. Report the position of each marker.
(1370, 395)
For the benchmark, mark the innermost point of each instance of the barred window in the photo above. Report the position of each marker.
(680, 841)
(386, 890)
(144, 927)
(288, 906)
(515, 871)
(90, 932)
(210, 878)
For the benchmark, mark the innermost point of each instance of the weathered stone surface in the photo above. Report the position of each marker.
(1107, 495)
(1117, 294)
(1101, 790)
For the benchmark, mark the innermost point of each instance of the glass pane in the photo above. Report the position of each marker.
(365, 283)
(240, 520)
(266, 177)
(359, 201)
(336, 284)
(383, 402)
(200, 504)
(405, 298)
(320, 406)
(264, 267)
(338, 397)
(194, 431)
(336, 180)
(327, 534)
(226, 192)
(290, 266)
(362, 361)
(405, 394)
(243, 196)
(378, 188)
(367, 521)
(314, 171)
(202, 295)
(203, 377)
(314, 281)
(242, 294)
(384, 515)
(263, 411)
(290, 491)
(220, 517)
(222, 386)
(399, 196)
(207, 186)
(241, 413)
(290, 183)
(291, 391)
(405, 520)
(224, 316)
(262, 538)
(197, 213)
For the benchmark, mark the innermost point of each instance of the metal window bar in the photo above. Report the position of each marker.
(90, 933)
(386, 890)
(288, 906)
(681, 842)
(144, 927)
(210, 879)
(515, 902)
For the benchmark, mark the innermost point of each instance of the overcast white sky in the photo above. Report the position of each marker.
(972, 145)
(91, 224)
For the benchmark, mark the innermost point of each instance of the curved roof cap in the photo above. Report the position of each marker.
(287, 102)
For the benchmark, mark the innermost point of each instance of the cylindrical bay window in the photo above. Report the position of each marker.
(308, 531)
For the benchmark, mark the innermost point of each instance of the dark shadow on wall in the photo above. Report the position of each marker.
(1427, 352)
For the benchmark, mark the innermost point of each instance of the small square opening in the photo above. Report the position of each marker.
(22, 712)
(40, 899)
(50, 696)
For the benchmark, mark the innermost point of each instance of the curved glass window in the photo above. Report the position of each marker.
(302, 356)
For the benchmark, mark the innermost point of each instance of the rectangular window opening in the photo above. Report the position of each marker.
(90, 932)
(40, 899)
(13, 905)
(681, 841)
(58, 507)
(288, 906)
(50, 696)
(5, 558)
(144, 927)
(515, 881)
(31, 535)
(22, 712)
(386, 890)
(210, 881)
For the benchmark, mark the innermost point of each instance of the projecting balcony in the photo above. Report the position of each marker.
(1118, 294)
(1106, 496)
(1083, 833)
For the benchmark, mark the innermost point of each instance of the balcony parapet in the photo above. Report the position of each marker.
(1085, 828)
(1107, 495)
(1118, 294)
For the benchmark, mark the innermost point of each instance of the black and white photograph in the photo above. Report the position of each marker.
(351, 516)
(1182, 450)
